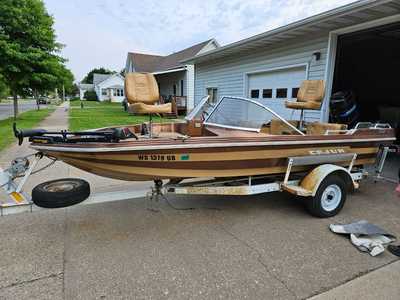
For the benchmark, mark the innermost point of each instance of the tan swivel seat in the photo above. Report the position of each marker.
(310, 97)
(142, 93)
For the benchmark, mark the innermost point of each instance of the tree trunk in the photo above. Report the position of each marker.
(36, 95)
(15, 105)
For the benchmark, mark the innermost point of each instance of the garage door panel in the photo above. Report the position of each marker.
(285, 79)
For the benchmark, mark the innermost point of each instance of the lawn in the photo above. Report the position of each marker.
(28, 119)
(102, 114)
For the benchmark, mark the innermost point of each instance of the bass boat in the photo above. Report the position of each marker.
(234, 137)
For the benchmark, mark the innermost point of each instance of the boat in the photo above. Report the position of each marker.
(234, 137)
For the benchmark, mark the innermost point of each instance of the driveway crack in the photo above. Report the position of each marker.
(260, 260)
(31, 280)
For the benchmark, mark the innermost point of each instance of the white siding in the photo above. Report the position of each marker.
(229, 74)
(190, 86)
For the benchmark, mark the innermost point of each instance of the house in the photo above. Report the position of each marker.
(108, 87)
(354, 47)
(174, 78)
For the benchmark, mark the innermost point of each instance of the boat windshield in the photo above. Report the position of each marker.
(200, 109)
(242, 114)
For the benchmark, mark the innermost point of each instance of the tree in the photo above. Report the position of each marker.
(28, 48)
(90, 96)
(66, 80)
(4, 90)
(89, 77)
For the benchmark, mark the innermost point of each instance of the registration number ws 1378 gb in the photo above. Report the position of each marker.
(163, 157)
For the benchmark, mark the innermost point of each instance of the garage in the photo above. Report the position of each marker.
(367, 70)
(354, 49)
(273, 87)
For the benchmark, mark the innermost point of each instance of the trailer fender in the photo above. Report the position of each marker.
(313, 179)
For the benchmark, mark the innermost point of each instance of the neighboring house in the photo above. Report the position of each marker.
(173, 77)
(108, 87)
(354, 47)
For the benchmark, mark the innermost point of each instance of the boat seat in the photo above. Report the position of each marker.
(141, 90)
(319, 128)
(310, 96)
(141, 108)
(312, 105)
(280, 128)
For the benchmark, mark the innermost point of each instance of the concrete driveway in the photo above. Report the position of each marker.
(7, 109)
(261, 247)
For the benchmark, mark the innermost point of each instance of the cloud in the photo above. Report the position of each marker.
(101, 32)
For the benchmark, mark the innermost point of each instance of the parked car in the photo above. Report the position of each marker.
(44, 100)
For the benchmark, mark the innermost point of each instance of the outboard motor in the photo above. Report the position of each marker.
(343, 108)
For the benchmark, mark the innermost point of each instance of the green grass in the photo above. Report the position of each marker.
(29, 119)
(102, 114)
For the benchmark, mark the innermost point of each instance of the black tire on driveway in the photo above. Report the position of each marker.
(60, 192)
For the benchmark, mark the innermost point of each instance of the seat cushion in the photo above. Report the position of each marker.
(141, 108)
(318, 128)
(303, 105)
(141, 87)
(278, 127)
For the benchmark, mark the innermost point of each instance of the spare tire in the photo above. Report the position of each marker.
(61, 192)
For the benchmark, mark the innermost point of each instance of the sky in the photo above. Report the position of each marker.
(100, 33)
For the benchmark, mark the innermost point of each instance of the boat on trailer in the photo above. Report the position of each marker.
(236, 146)
(237, 137)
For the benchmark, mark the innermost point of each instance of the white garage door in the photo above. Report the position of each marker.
(273, 88)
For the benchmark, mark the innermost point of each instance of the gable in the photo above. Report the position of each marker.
(115, 79)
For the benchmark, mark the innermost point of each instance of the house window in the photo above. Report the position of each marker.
(281, 93)
(213, 93)
(295, 91)
(104, 92)
(174, 89)
(255, 94)
(267, 93)
(118, 92)
(181, 87)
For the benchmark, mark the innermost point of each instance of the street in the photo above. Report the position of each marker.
(6, 109)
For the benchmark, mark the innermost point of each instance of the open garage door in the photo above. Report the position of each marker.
(273, 87)
(367, 70)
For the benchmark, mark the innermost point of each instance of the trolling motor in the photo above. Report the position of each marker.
(113, 135)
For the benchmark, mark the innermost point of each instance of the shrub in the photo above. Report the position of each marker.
(90, 96)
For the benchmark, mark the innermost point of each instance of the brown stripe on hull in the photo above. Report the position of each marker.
(145, 173)
(255, 151)
(205, 165)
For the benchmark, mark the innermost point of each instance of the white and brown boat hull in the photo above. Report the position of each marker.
(211, 156)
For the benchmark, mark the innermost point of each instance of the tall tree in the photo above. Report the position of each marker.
(29, 57)
(4, 90)
(89, 77)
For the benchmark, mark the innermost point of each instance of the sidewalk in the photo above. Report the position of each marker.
(383, 283)
(58, 120)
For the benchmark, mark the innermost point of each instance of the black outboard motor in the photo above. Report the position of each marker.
(343, 108)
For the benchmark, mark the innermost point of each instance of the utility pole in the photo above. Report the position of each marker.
(63, 91)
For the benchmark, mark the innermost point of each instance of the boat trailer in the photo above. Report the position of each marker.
(328, 175)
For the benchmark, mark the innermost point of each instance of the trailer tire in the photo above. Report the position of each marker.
(61, 192)
(329, 198)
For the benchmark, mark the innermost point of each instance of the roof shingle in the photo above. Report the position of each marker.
(155, 63)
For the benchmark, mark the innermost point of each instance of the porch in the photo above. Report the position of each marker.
(172, 85)
(113, 93)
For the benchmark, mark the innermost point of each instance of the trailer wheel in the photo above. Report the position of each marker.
(60, 193)
(329, 198)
